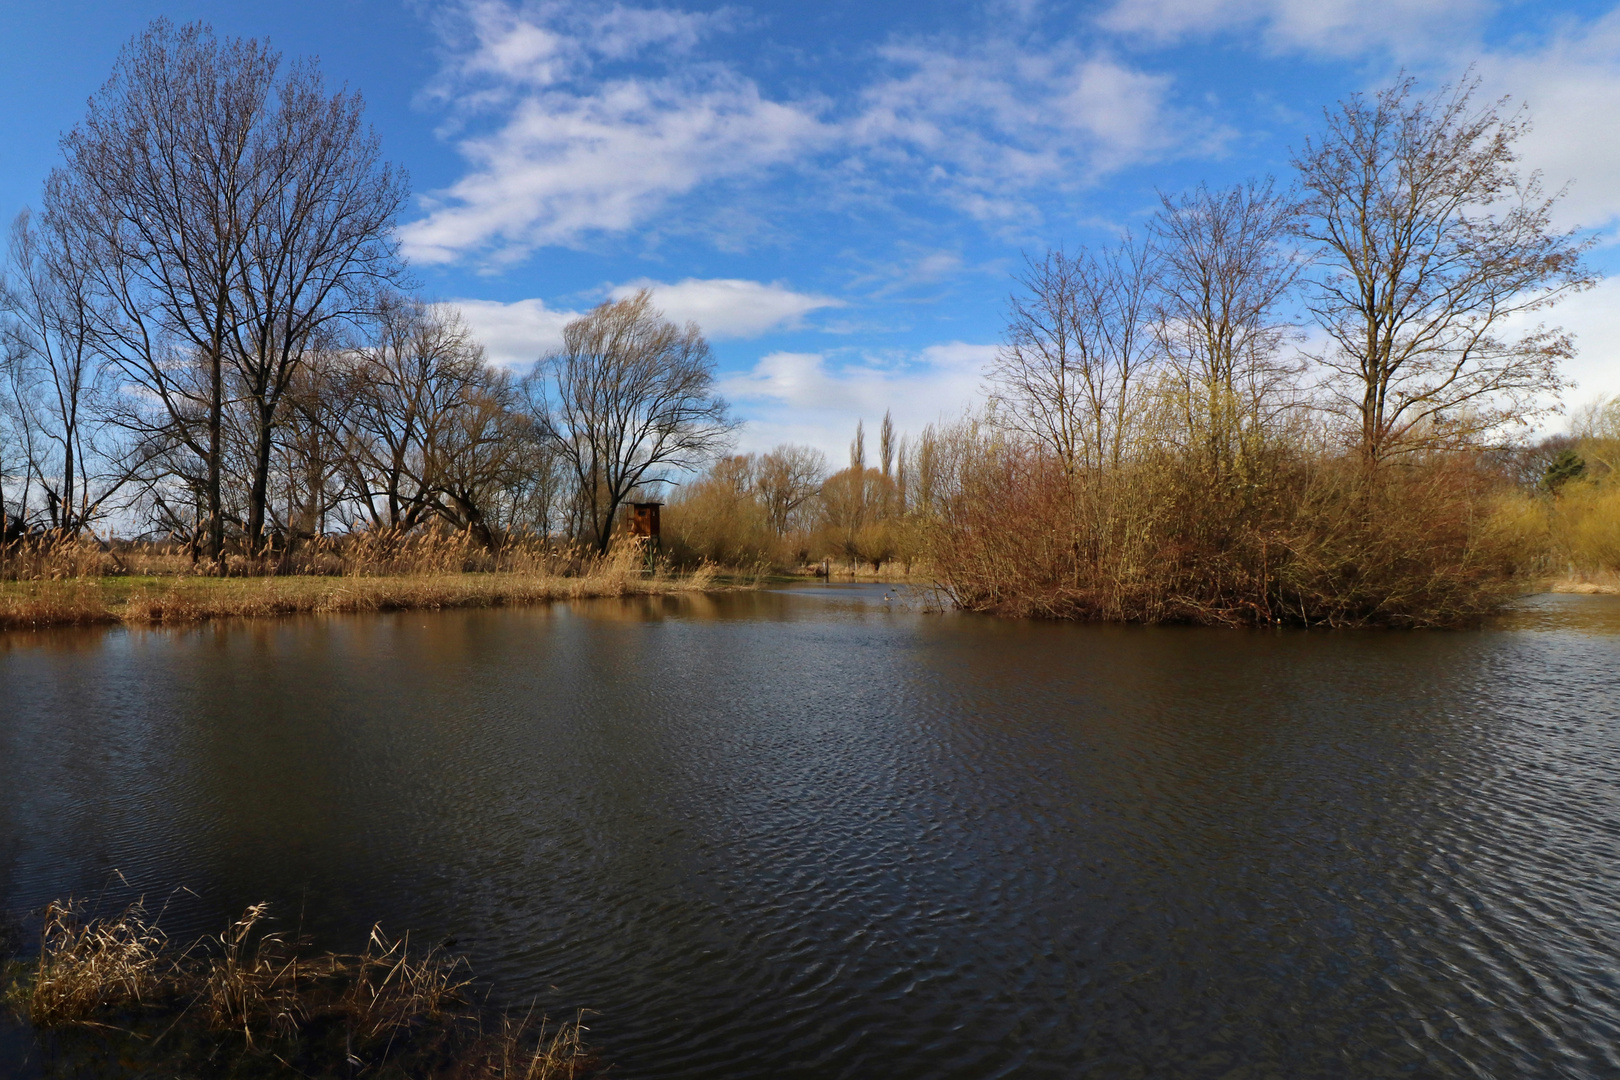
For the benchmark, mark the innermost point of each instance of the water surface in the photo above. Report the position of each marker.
(817, 833)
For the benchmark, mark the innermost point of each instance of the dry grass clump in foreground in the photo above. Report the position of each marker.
(252, 1002)
(42, 602)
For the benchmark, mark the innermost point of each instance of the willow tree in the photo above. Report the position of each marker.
(787, 478)
(1435, 254)
(417, 394)
(628, 399)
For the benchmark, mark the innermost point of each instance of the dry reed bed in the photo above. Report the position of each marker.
(252, 1001)
(1596, 583)
(66, 597)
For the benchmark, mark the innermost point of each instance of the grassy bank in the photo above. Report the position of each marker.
(140, 600)
(257, 1002)
(1597, 583)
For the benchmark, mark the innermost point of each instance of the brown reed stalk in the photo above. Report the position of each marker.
(88, 966)
(363, 574)
(258, 994)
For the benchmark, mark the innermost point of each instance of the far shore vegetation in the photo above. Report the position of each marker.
(85, 582)
(1299, 401)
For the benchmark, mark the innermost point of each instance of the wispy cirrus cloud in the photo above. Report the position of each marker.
(500, 48)
(564, 165)
(986, 124)
(584, 120)
(1332, 27)
(521, 331)
(730, 307)
(578, 145)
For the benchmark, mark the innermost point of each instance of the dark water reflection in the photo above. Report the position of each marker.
(805, 834)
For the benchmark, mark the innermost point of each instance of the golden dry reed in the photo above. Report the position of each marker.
(82, 581)
(252, 1000)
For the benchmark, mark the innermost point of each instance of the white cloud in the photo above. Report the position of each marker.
(567, 165)
(1572, 88)
(729, 307)
(805, 398)
(541, 44)
(520, 332)
(575, 152)
(1594, 318)
(516, 333)
(580, 147)
(985, 124)
(1333, 27)
(1570, 81)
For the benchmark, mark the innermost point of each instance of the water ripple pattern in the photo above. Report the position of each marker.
(822, 832)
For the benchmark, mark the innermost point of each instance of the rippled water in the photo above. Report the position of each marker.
(815, 834)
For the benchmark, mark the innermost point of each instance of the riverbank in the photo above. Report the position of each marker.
(1606, 584)
(135, 600)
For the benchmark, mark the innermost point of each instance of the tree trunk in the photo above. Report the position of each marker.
(215, 547)
(259, 490)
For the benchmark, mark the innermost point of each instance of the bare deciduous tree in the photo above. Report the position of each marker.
(46, 302)
(1078, 342)
(478, 458)
(157, 191)
(228, 213)
(787, 478)
(319, 249)
(1433, 246)
(313, 444)
(1223, 273)
(628, 397)
(404, 388)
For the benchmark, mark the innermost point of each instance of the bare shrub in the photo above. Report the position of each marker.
(1320, 542)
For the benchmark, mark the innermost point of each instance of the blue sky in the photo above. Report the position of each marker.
(839, 191)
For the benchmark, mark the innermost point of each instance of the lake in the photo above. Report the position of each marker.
(815, 832)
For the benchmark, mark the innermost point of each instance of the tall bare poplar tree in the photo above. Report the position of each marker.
(628, 397)
(1433, 248)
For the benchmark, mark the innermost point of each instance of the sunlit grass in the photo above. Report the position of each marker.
(140, 599)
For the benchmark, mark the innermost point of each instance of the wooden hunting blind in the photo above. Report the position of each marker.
(642, 520)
